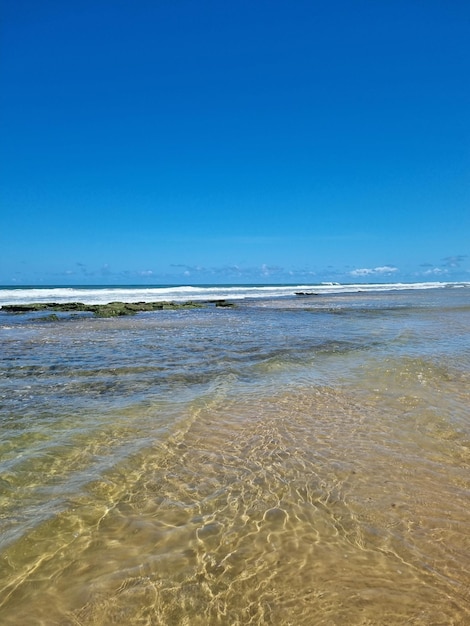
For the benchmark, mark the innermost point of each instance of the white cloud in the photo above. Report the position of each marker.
(367, 271)
(435, 271)
(362, 272)
(386, 269)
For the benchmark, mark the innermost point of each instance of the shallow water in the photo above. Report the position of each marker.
(289, 461)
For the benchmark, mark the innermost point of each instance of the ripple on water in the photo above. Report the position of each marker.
(290, 467)
(303, 508)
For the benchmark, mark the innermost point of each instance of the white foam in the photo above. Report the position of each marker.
(103, 295)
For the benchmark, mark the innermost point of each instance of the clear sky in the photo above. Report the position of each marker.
(249, 141)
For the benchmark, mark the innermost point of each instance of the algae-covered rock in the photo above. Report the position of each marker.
(111, 309)
(53, 317)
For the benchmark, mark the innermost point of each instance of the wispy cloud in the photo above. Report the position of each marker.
(435, 271)
(269, 270)
(238, 271)
(449, 265)
(383, 270)
(189, 269)
(450, 268)
(83, 270)
(454, 261)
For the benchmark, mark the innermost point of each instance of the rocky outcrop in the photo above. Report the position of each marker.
(111, 309)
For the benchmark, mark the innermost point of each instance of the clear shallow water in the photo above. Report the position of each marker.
(289, 461)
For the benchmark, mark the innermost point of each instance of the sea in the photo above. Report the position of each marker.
(300, 458)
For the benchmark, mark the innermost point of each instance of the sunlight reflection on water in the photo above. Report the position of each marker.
(265, 465)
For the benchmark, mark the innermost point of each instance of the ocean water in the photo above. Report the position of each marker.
(292, 460)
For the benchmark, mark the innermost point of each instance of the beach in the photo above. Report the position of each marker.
(298, 458)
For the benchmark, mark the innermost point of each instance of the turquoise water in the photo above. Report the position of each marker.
(291, 460)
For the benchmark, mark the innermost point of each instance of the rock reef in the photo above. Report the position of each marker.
(111, 309)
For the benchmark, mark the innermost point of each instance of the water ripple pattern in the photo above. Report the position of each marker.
(290, 461)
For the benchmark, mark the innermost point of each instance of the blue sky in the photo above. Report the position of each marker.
(203, 141)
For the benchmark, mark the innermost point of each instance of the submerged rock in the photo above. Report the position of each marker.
(224, 304)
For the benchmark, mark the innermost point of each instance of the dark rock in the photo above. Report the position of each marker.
(111, 309)
(224, 304)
